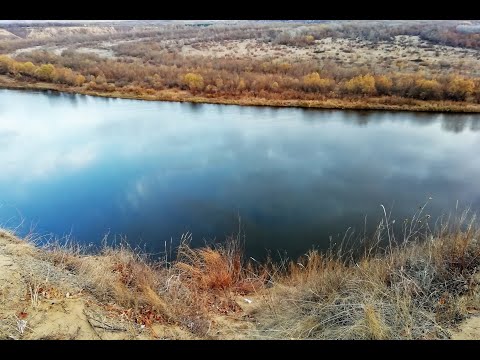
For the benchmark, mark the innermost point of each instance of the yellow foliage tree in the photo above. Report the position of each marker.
(364, 85)
(79, 80)
(193, 81)
(427, 89)
(45, 72)
(26, 68)
(29, 68)
(313, 82)
(64, 76)
(383, 84)
(459, 88)
(6, 64)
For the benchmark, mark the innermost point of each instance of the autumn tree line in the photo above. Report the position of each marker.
(272, 79)
(44, 72)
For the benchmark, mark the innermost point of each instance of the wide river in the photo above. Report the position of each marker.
(288, 178)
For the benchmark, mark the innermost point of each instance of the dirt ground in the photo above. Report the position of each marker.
(469, 330)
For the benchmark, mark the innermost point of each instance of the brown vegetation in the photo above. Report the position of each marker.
(417, 286)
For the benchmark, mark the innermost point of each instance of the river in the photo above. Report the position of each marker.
(288, 179)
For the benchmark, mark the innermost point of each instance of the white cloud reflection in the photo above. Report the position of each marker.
(44, 136)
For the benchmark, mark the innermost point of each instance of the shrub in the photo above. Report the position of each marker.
(193, 81)
(362, 84)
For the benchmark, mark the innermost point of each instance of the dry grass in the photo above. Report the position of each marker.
(217, 268)
(416, 288)
(199, 284)
(405, 281)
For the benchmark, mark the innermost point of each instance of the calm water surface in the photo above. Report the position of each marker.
(87, 166)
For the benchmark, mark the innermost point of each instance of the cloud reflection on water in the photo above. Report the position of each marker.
(153, 170)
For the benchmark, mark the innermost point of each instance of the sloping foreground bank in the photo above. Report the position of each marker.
(388, 103)
(426, 286)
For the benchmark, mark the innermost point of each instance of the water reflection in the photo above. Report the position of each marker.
(72, 99)
(294, 177)
(475, 124)
(455, 125)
